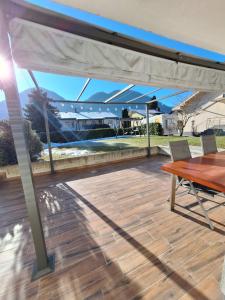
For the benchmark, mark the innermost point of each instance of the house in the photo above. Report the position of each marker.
(137, 114)
(87, 120)
(204, 111)
(141, 113)
(168, 122)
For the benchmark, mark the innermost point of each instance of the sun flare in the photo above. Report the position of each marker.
(4, 69)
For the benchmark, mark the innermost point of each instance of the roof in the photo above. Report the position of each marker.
(199, 100)
(143, 112)
(199, 23)
(86, 115)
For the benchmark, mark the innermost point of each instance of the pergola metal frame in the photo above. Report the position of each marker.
(108, 101)
(10, 9)
(127, 88)
(144, 95)
(83, 89)
(122, 102)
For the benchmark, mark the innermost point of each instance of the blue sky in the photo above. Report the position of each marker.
(69, 87)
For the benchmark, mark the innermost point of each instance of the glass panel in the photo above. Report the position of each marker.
(61, 87)
(101, 90)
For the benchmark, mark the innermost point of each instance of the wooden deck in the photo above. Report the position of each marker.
(113, 236)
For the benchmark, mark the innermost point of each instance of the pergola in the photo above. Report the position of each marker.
(38, 39)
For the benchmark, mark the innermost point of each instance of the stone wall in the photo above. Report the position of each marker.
(42, 167)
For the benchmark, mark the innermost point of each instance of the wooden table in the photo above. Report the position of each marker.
(208, 170)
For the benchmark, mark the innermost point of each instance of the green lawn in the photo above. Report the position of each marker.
(159, 140)
(122, 143)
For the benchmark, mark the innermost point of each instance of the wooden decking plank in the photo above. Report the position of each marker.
(114, 238)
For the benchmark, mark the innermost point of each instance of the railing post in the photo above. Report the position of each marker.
(148, 130)
(48, 137)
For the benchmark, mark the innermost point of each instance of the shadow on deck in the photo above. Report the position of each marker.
(114, 238)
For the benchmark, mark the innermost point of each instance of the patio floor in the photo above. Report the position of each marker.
(113, 236)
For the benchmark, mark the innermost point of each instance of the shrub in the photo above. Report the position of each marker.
(155, 129)
(7, 148)
(95, 126)
(213, 131)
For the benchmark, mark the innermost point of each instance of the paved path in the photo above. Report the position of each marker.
(195, 150)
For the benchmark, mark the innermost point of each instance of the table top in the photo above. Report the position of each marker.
(208, 170)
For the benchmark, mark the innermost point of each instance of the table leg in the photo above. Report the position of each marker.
(173, 192)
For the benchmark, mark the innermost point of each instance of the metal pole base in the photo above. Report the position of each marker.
(222, 281)
(36, 274)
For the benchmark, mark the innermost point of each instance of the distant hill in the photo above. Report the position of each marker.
(24, 99)
(100, 96)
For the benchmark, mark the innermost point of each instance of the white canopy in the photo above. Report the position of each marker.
(196, 22)
(198, 101)
(42, 48)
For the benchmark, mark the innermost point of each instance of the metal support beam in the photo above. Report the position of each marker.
(34, 80)
(122, 102)
(149, 93)
(83, 89)
(43, 263)
(127, 88)
(96, 102)
(45, 112)
(148, 130)
(168, 96)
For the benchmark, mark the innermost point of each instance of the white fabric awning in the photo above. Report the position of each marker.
(41, 48)
(196, 22)
(198, 101)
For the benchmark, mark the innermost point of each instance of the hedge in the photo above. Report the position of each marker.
(72, 136)
(213, 131)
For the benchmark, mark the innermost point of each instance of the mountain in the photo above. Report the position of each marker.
(24, 99)
(102, 96)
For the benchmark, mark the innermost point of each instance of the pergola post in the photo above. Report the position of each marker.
(148, 130)
(43, 264)
(48, 137)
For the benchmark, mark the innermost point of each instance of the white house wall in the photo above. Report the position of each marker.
(206, 118)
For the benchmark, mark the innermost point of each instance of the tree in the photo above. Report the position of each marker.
(125, 115)
(154, 105)
(183, 117)
(34, 112)
(7, 148)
